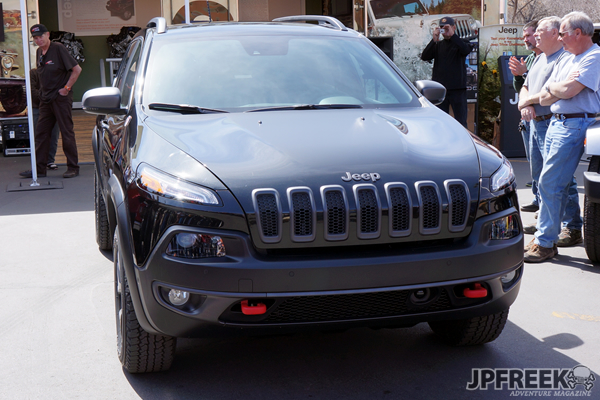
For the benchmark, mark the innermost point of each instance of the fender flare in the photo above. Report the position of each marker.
(125, 245)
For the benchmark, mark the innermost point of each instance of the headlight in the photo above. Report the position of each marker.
(159, 183)
(196, 245)
(503, 177)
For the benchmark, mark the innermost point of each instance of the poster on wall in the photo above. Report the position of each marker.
(95, 17)
(13, 101)
(495, 41)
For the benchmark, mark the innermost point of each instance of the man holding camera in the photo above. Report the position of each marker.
(449, 55)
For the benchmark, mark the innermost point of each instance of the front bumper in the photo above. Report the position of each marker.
(370, 289)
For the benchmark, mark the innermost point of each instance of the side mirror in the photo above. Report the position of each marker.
(433, 91)
(102, 101)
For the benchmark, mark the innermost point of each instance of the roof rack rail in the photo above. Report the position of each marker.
(323, 20)
(159, 23)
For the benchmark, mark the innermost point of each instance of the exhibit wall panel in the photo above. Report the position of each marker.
(95, 46)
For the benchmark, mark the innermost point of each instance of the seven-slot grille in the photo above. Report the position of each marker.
(336, 211)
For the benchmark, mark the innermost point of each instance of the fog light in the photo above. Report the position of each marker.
(508, 277)
(196, 245)
(186, 240)
(178, 297)
(505, 228)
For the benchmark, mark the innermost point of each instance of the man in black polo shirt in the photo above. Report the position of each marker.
(449, 67)
(58, 72)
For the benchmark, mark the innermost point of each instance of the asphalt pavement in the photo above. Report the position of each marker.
(58, 340)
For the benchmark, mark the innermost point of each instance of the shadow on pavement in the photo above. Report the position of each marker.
(357, 364)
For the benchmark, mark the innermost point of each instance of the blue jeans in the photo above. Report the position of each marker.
(572, 217)
(526, 129)
(563, 148)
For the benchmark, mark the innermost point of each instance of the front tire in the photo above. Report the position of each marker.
(102, 226)
(470, 331)
(138, 350)
(591, 220)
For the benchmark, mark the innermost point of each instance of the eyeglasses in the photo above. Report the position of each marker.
(562, 34)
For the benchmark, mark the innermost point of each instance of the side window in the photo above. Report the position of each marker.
(126, 76)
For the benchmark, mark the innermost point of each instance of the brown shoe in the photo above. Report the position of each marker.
(538, 254)
(528, 245)
(569, 237)
(71, 173)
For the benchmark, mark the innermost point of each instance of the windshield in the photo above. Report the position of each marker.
(257, 72)
(396, 8)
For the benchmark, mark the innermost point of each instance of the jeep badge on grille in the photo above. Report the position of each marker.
(371, 176)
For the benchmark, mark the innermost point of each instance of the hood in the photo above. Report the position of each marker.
(282, 149)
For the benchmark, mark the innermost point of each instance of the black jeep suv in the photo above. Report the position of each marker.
(272, 177)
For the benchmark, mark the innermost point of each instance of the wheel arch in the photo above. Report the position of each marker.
(118, 209)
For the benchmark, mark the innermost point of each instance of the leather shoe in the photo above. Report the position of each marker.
(531, 207)
(530, 229)
(71, 173)
(538, 254)
(29, 174)
(569, 237)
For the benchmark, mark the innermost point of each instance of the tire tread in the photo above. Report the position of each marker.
(471, 331)
(103, 236)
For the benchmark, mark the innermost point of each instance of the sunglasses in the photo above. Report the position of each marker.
(562, 34)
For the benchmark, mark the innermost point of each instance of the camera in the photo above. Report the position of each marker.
(442, 31)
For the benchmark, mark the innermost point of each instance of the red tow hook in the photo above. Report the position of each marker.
(255, 309)
(476, 293)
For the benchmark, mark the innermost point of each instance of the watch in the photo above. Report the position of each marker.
(524, 75)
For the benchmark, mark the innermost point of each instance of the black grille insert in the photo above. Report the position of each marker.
(268, 214)
(399, 210)
(460, 204)
(302, 214)
(336, 213)
(369, 211)
(353, 306)
(430, 209)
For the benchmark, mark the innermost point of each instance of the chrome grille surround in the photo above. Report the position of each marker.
(303, 214)
(336, 212)
(268, 214)
(459, 202)
(368, 211)
(304, 211)
(430, 207)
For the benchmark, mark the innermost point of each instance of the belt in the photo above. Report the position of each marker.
(543, 117)
(578, 115)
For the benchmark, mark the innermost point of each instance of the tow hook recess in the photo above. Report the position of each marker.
(254, 309)
(476, 293)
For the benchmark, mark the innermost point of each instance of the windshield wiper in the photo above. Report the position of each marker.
(308, 107)
(183, 108)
